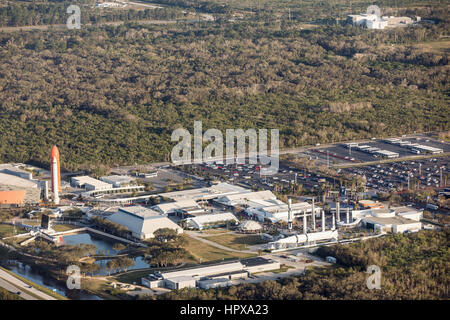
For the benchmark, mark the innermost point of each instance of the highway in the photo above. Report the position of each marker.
(8, 286)
(14, 285)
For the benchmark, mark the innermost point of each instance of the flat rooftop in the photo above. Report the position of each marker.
(81, 180)
(139, 211)
(15, 181)
(391, 220)
(204, 193)
(117, 179)
(405, 209)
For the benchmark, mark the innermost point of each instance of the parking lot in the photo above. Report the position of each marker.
(248, 175)
(341, 154)
(389, 176)
(380, 177)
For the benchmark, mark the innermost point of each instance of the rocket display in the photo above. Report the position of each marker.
(55, 174)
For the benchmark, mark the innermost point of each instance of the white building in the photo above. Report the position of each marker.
(89, 183)
(409, 213)
(396, 220)
(250, 226)
(301, 239)
(279, 212)
(142, 222)
(204, 194)
(15, 170)
(188, 206)
(214, 283)
(117, 181)
(249, 199)
(372, 21)
(210, 276)
(177, 283)
(205, 220)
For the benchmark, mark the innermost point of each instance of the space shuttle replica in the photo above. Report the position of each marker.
(55, 174)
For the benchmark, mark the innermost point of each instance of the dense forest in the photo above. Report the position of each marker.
(54, 12)
(413, 266)
(113, 95)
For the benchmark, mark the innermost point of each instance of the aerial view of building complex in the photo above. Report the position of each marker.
(235, 158)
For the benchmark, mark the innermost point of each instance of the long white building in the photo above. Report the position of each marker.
(205, 220)
(90, 183)
(204, 194)
(184, 205)
(249, 199)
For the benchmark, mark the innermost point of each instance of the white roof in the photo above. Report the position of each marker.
(177, 205)
(180, 279)
(117, 179)
(82, 180)
(210, 218)
(248, 196)
(428, 148)
(14, 169)
(387, 152)
(15, 181)
(405, 210)
(296, 207)
(142, 221)
(139, 211)
(204, 271)
(250, 225)
(208, 193)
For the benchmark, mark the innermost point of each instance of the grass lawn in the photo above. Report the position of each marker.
(282, 269)
(200, 250)
(236, 241)
(63, 227)
(438, 46)
(101, 288)
(132, 277)
(215, 231)
(7, 230)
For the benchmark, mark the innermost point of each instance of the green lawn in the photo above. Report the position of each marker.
(63, 227)
(235, 241)
(134, 276)
(205, 252)
(214, 231)
(7, 230)
(282, 269)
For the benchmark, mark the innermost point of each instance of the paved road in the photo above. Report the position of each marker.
(8, 286)
(13, 281)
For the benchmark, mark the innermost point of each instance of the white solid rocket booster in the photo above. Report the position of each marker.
(55, 181)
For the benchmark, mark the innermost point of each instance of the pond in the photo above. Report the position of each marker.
(41, 278)
(104, 246)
